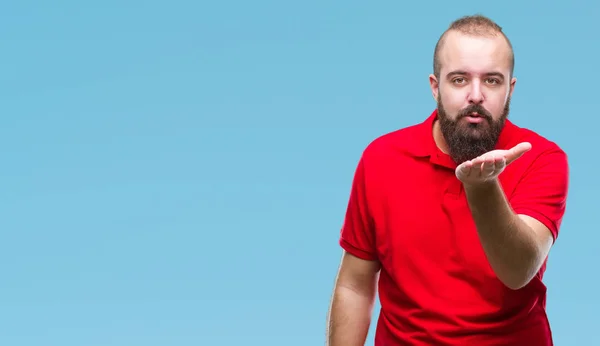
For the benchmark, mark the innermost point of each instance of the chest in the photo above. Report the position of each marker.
(423, 220)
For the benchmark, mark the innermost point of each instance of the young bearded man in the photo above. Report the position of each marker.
(451, 220)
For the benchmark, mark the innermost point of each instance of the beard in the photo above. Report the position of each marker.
(465, 140)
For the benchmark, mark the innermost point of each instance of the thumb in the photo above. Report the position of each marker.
(517, 151)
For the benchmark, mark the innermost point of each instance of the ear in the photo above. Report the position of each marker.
(513, 81)
(434, 85)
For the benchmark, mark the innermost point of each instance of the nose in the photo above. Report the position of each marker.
(475, 94)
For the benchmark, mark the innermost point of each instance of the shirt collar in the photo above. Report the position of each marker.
(423, 144)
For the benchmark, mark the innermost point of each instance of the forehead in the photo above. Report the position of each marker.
(475, 54)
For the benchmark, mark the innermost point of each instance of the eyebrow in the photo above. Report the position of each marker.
(460, 72)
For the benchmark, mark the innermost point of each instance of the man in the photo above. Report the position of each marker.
(451, 220)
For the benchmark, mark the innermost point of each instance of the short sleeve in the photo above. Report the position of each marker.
(357, 234)
(542, 192)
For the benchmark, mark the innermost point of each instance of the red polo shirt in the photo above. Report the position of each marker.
(408, 211)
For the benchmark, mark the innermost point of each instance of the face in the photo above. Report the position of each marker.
(473, 93)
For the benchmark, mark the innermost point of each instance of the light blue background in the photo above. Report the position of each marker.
(177, 173)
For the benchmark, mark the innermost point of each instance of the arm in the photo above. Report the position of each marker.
(352, 303)
(516, 245)
(354, 292)
(517, 235)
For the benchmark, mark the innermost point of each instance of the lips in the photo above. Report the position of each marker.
(474, 118)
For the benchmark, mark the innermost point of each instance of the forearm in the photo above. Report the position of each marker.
(349, 317)
(508, 241)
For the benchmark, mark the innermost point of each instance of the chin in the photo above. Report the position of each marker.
(471, 127)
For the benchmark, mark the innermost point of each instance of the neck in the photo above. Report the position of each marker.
(438, 137)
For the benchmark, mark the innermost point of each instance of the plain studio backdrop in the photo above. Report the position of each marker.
(176, 173)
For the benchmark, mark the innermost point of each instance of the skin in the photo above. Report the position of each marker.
(353, 301)
(516, 245)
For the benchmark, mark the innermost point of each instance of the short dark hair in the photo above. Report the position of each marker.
(475, 25)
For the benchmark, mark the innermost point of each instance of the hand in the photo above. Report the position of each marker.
(488, 166)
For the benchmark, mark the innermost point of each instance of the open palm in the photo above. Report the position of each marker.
(489, 165)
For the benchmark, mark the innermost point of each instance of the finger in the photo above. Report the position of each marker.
(466, 167)
(489, 166)
(486, 167)
(478, 166)
(517, 151)
(477, 162)
(500, 162)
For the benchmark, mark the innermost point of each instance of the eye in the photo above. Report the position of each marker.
(493, 81)
(458, 80)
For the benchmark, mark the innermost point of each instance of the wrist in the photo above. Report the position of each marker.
(483, 187)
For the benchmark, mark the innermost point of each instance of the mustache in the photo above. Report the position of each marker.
(475, 109)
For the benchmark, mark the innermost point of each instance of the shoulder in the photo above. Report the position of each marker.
(405, 141)
(545, 155)
(541, 147)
